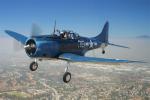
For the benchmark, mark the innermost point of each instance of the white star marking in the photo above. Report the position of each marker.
(91, 44)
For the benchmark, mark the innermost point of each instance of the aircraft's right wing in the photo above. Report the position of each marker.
(19, 37)
(78, 58)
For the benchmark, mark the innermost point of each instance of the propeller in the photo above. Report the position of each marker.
(30, 46)
(35, 31)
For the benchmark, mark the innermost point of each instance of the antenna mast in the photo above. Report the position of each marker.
(54, 27)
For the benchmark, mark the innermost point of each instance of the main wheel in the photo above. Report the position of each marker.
(67, 77)
(33, 66)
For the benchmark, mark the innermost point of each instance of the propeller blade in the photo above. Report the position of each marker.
(29, 46)
(36, 30)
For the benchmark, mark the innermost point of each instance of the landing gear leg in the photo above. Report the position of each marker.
(34, 65)
(67, 74)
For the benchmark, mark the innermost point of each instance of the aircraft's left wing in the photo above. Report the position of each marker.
(78, 58)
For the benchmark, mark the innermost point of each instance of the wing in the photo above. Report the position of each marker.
(78, 58)
(19, 37)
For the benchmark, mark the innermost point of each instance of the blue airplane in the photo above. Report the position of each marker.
(65, 45)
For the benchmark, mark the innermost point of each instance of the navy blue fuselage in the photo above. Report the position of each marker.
(52, 46)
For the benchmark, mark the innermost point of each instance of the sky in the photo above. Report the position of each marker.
(127, 18)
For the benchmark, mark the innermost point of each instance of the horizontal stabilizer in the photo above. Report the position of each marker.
(19, 37)
(117, 45)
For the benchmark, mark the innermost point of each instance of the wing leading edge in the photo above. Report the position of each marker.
(19, 37)
(78, 58)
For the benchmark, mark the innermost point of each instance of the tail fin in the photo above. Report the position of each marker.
(103, 36)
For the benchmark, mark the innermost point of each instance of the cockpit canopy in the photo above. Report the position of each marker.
(65, 34)
(68, 35)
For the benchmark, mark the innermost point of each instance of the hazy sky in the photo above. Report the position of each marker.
(128, 18)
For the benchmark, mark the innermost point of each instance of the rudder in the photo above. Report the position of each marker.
(103, 36)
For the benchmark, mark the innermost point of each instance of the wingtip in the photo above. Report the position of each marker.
(6, 31)
(140, 61)
(128, 47)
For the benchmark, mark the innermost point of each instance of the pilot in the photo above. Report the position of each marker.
(61, 35)
(58, 32)
(65, 35)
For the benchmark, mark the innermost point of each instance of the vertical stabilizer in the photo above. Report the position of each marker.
(103, 36)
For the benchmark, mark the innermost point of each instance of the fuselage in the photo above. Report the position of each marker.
(52, 46)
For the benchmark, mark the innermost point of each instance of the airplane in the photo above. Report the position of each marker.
(65, 45)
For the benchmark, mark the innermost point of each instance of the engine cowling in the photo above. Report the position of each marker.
(41, 48)
(30, 47)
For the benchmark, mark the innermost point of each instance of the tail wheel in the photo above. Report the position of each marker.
(67, 77)
(33, 66)
(103, 52)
